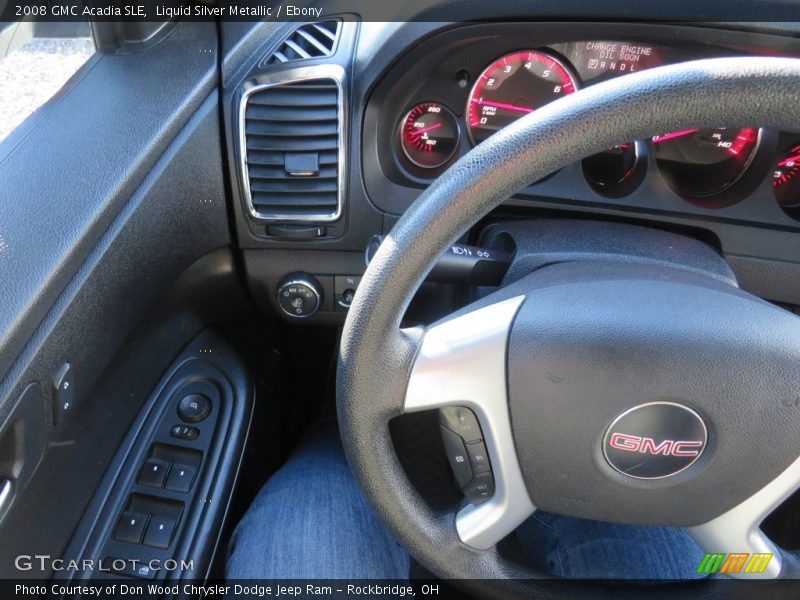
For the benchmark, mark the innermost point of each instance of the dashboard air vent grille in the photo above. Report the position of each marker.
(311, 40)
(291, 150)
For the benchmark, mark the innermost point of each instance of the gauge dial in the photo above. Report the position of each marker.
(511, 87)
(786, 179)
(614, 172)
(429, 135)
(704, 162)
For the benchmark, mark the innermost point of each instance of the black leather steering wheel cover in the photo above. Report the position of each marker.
(376, 357)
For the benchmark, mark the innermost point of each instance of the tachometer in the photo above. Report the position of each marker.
(786, 179)
(703, 162)
(513, 86)
(429, 135)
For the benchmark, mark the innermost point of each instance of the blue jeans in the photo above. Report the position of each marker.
(310, 521)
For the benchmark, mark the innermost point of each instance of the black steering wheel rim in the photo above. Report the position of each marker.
(376, 356)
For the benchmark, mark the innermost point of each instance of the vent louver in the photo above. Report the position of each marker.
(311, 40)
(291, 141)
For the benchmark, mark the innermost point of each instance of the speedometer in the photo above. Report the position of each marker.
(703, 162)
(511, 87)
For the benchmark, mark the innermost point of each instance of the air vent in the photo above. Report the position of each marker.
(291, 149)
(311, 40)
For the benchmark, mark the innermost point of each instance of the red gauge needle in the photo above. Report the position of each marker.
(673, 135)
(504, 105)
(789, 159)
(426, 129)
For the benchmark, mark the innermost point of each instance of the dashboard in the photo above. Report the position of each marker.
(412, 98)
(452, 92)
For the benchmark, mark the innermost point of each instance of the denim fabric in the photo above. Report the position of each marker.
(582, 549)
(310, 521)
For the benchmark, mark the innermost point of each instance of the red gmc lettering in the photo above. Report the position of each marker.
(678, 448)
(646, 445)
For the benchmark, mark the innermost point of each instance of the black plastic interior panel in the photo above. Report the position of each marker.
(166, 493)
(54, 215)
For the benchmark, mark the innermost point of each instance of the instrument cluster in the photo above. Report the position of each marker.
(709, 168)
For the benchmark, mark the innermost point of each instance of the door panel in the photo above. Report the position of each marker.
(107, 194)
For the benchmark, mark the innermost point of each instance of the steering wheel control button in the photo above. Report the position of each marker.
(457, 456)
(184, 432)
(159, 532)
(299, 295)
(480, 489)
(194, 408)
(180, 478)
(153, 473)
(478, 458)
(130, 527)
(462, 421)
(655, 440)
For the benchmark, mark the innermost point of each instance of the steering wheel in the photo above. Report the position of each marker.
(575, 367)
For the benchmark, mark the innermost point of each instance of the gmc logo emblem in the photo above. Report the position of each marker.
(646, 445)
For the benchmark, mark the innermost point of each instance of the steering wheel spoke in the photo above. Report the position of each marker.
(462, 362)
(737, 533)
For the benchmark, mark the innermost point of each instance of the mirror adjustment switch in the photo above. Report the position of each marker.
(480, 489)
(462, 421)
(457, 455)
(159, 532)
(184, 432)
(130, 527)
(478, 459)
(154, 472)
(180, 478)
(194, 408)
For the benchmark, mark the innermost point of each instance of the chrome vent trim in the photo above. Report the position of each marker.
(334, 73)
(309, 40)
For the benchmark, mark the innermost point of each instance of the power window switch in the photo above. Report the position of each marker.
(457, 456)
(154, 472)
(159, 532)
(180, 478)
(130, 527)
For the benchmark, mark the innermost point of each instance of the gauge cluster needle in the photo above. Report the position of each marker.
(503, 105)
(418, 132)
(673, 135)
